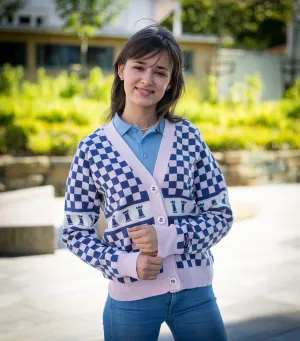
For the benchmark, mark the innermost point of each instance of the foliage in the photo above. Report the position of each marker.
(84, 18)
(50, 116)
(253, 24)
(9, 7)
(294, 91)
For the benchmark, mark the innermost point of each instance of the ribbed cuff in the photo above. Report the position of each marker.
(168, 240)
(126, 264)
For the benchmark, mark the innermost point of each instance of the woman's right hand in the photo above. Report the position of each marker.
(148, 267)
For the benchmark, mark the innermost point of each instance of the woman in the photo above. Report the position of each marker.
(163, 196)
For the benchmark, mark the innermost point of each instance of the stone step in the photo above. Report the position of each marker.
(27, 221)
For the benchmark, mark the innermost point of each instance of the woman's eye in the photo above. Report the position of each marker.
(138, 68)
(161, 74)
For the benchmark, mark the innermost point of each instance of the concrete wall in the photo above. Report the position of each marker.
(239, 167)
(234, 65)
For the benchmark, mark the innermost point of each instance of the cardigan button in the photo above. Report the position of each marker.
(161, 219)
(154, 189)
(173, 280)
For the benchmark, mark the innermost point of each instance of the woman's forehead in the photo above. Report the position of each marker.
(159, 58)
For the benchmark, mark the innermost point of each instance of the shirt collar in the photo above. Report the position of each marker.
(122, 127)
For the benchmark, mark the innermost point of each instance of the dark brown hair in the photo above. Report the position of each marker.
(151, 41)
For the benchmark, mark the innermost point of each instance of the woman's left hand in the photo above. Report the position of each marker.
(145, 238)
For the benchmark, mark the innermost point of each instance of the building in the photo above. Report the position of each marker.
(34, 38)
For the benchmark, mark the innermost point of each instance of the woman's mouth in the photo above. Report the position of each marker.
(144, 92)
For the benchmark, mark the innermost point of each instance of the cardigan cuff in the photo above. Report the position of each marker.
(169, 240)
(126, 264)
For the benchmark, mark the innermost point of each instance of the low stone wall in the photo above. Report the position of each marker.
(25, 172)
(240, 168)
(243, 168)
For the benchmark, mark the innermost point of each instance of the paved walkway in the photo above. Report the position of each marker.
(257, 281)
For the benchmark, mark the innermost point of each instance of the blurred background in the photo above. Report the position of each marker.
(242, 72)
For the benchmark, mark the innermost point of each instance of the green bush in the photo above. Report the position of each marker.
(11, 79)
(293, 92)
(51, 115)
(15, 138)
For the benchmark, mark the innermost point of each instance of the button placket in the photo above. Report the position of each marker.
(161, 219)
(154, 189)
(173, 280)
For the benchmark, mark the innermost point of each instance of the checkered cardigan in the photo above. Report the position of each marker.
(185, 199)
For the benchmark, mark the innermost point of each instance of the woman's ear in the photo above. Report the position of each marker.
(121, 71)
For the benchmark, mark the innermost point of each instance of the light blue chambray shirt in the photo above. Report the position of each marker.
(145, 146)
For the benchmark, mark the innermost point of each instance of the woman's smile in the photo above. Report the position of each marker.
(144, 92)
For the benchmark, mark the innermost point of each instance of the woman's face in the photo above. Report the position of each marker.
(146, 80)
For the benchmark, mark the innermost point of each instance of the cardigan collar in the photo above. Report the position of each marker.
(123, 127)
(163, 156)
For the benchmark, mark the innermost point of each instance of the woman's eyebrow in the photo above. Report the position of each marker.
(162, 68)
(157, 66)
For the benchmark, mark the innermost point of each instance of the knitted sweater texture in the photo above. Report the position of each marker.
(186, 200)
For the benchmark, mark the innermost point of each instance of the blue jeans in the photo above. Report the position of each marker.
(191, 314)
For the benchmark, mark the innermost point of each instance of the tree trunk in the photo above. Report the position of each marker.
(83, 56)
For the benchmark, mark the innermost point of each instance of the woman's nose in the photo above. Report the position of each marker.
(147, 78)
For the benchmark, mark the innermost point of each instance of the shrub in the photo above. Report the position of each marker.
(51, 115)
(15, 138)
(11, 79)
(293, 92)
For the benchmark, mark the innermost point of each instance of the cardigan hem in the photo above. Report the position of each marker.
(187, 278)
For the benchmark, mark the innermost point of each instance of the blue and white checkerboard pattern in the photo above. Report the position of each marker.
(194, 171)
(113, 175)
(100, 177)
(82, 205)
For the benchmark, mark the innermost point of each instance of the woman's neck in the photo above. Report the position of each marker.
(141, 118)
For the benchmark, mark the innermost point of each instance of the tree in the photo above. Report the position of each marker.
(9, 7)
(85, 18)
(253, 24)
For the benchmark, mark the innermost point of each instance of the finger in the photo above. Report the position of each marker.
(151, 277)
(153, 272)
(145, 246)
(147, 251)
(152, 254)
(137, 234)
(155, 267)
(134, 228)
(156, 260)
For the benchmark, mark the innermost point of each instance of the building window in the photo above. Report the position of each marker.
(10, 20)
(24, 20)
(57, 56)
(39, 21)
(13, 53)
(188, 62)
(100, 56)
(62, 56)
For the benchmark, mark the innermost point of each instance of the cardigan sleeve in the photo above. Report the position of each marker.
(82, 209)
(215, 218)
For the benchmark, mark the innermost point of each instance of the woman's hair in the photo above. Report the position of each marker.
(151, 41)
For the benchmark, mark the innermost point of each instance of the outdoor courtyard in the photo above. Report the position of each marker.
(257, 275)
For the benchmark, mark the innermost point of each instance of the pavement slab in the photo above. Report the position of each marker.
(257, 280)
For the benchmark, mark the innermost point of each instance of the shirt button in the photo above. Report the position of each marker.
(143, 142)
(153, 189)
(145, 156)
(173, 280)
(134, 130)
(161, 219)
